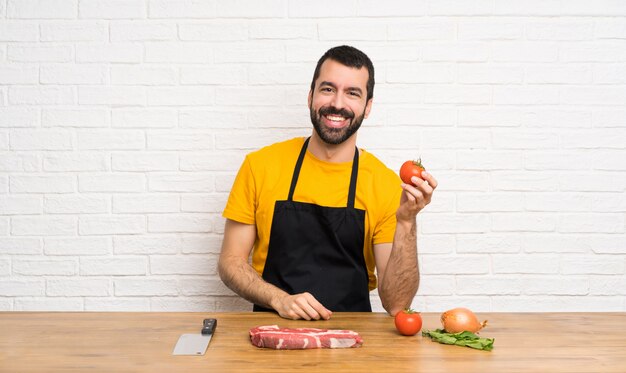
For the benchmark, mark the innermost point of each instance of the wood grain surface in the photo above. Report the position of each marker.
(143, 342)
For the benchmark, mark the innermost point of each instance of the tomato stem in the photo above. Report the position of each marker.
(418, 162)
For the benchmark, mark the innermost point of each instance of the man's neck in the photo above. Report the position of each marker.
(339, 153)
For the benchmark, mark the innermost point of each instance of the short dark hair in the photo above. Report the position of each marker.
(351, 57)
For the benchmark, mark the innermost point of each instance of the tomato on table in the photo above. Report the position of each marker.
(408, 322)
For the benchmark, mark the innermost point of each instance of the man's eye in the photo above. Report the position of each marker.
(326, 89)
(356, 94)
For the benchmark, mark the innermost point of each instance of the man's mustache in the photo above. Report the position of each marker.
(331, 110)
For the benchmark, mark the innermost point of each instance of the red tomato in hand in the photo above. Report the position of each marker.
(408, 322)
(410, 169)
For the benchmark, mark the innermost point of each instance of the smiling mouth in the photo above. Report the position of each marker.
(335, 121)
(335, 118)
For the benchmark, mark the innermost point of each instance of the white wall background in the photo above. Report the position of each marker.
(123, 123)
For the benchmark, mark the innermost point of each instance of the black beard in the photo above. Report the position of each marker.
(331, 135)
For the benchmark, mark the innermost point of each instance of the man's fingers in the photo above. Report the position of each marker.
(294, 312)
(431, 180)
(410, 197)
(301, 312)
(303, 303)
(304, 306)
(422, 185)
(412, 193)
(318, 307)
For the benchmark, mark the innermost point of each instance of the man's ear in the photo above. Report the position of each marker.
(368, 107)
(310, 98)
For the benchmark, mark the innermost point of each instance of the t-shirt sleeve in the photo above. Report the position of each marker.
(241, 204)
(385, 229)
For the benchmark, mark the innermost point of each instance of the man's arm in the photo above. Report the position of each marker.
(239, 276)
(396, 264)
(398, 271)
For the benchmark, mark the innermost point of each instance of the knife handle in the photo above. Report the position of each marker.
(208, 326)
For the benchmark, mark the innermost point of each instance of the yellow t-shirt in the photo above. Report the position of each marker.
(265, 177)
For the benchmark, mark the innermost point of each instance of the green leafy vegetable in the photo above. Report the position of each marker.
(467, 339)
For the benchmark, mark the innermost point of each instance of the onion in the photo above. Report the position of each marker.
(461, 319)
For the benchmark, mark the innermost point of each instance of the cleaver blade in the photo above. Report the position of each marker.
(196, 344)
(192, 344)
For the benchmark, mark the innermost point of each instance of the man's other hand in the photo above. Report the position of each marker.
(301, 306)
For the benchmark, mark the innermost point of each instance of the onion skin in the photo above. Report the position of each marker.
(461, 319)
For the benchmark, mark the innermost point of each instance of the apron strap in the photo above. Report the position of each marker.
(355, 171)
(353, 176)
(296, 170)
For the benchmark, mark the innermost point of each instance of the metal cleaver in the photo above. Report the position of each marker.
(196, 344)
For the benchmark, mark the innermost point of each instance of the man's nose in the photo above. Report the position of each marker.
(338, 101)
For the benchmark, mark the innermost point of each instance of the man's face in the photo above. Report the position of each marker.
(338, 104)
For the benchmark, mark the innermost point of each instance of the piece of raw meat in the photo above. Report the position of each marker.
(272, 336)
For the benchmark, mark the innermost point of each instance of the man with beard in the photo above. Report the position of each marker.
(326, 222)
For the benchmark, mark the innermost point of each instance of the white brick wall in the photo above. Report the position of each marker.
(124, 122)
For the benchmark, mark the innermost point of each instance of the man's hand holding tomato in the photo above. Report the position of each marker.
(418, 193)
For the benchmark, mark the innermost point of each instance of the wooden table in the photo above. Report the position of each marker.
(143, 342)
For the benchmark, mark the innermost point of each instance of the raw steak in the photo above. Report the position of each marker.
(271, 336)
